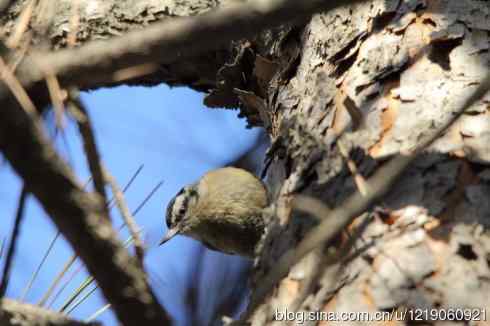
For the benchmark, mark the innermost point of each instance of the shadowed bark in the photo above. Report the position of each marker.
(22, 314)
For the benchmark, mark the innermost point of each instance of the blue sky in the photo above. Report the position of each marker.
(177, 139)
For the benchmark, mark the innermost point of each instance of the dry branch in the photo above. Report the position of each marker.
(90, 146)
(19, 215)
(79, 216)
(22, 314)
(126, 215)
(95, 63)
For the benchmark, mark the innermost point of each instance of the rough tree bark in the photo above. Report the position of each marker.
(402, 67)
(376, 77)
(22, 314)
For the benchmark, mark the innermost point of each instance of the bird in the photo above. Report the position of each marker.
(223, 210)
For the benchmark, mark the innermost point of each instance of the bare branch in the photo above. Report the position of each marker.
(79, 216)
(15, 86)
(56, 95)
(13, 241)
(67, 281)
(334, 259)
(90, 146)
(311, 206)
(99, 312)
(69, 310)
(72, 259)
(38, 269)
(358, 178)
(146, 199)
(67, 265)
(165, 42)
(2, 245)
(22, 314)
(126, 215)
(56, 281)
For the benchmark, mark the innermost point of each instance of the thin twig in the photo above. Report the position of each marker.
(57, 97)
(72, 259)
(88, 228)
(88, 281)
(20, 53)
(97, 313)
(65, 268)
(126, 215)
(135, 72)
(311, 206)
(100, 311)
(140, 206)
(57, 280)
(131, 180)
(81, 300)
(13, 241)
(90, 146)
(358, 178)
(146, 199)
(38, 269)
(17, 89)
(127, 185)
(66, 144)
(328, 260)
(357, 203)
(2, 246)
(67, 281)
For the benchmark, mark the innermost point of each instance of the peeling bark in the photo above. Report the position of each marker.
(101, 20)
(405, 66)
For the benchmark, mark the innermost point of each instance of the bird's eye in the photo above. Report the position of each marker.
(182, 211)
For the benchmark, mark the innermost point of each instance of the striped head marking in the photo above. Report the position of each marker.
(178, 207)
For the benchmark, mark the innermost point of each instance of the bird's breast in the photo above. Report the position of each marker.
(229, 235)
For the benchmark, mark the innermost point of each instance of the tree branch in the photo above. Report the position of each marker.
(96, 62)
(19, 215)
(79, 216)
(13, 313)
(127, 216)
(89, 143)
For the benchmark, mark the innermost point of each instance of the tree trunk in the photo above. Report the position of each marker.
(361, 83)
(377, 77)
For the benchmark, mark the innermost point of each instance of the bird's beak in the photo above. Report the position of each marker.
(170, 234)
